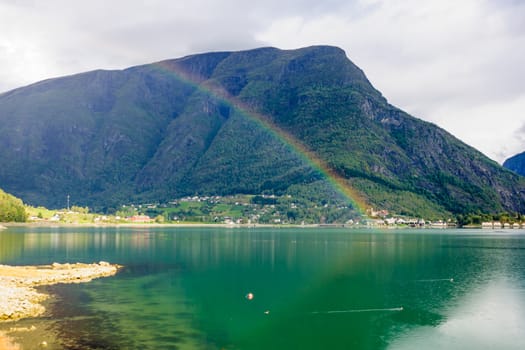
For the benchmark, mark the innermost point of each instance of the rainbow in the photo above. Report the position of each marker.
(337, 182)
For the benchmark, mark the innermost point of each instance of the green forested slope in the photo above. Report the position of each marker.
(190, 126)
(11, 208)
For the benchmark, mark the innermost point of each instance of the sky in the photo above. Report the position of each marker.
(458, 64)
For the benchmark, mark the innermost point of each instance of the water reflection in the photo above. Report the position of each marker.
(491, 317)
(11, 246)
(486, 309)
(334, 289)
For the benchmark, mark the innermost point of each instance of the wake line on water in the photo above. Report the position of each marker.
(437, 280)
(393, 309)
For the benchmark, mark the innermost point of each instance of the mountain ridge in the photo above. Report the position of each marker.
(516, 163)
(189, 125)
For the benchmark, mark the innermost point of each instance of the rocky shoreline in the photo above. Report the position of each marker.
(18, 296)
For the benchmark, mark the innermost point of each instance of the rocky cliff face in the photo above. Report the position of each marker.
(214, 124)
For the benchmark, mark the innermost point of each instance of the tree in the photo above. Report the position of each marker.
(81, 210)
(12, 209)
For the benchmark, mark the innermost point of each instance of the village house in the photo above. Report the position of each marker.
(139, 219)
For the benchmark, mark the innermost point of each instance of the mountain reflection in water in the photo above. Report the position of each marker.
(310, 288)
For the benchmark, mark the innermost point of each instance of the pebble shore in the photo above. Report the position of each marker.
(18, 296)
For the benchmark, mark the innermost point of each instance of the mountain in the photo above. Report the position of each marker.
(516, 163)
(257, 121)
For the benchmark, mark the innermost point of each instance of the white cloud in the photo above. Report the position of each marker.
(495, 127)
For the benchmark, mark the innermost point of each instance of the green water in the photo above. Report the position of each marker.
(312, 288)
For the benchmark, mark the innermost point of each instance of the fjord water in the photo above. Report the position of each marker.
(186, 288)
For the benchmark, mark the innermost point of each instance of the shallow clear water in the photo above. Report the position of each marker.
(185, 288)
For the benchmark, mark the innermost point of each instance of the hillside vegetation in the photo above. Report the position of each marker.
(248, 122)
(12, 209)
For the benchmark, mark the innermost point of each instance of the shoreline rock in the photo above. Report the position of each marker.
(6, 343)
(18, 296)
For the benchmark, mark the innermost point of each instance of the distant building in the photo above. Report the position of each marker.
(390, 221)
(374, 214)
(140, 218)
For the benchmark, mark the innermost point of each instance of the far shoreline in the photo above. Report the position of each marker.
(146, 225)
(47, 224)
(5, 225)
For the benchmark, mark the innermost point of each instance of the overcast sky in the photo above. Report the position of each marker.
(459, 64)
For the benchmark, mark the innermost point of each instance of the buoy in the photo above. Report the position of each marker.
(249, 296)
